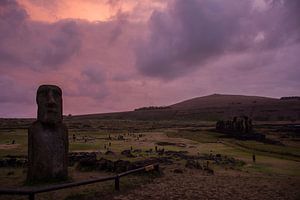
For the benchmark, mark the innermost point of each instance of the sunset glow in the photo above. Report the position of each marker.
(113, 55)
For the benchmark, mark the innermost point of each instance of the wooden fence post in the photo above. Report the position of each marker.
(31, 196)
(117, 183)
(32, 192)
(156, 167)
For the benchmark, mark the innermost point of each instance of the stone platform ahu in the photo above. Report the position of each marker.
(48, 138)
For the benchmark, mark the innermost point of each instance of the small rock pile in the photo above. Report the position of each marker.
(116, 166)
(13, 161)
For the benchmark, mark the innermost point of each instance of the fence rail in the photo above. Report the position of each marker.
(32, 191)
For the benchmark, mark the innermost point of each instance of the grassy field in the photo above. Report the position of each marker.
(270, 159)
(195, 137)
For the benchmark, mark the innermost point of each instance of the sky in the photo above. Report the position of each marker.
(117, 55)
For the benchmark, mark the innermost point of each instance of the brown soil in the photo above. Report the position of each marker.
(193, 184)
(9, 146)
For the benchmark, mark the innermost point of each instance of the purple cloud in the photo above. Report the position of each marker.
(13, 91)
(182, 51)
(35, 45)
(188, 35)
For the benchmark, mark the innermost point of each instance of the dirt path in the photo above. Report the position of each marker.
(8, 146)
(194, 185)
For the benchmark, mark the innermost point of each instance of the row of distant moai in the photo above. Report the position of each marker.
(237, 125)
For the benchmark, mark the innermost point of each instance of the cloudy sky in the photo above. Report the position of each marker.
(117, 55)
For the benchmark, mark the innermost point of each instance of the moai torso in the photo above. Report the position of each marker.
(48, 138)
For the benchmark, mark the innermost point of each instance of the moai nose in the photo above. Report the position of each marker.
(51, 99)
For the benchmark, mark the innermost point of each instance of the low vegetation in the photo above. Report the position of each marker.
(188, 145)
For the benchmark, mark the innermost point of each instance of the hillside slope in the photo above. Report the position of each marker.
(226, 106)
(217, 106)
(220, 100)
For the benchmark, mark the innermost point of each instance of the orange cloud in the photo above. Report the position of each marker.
(78, 9)
(91, 10)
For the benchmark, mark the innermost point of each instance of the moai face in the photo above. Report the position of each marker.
(49, 101)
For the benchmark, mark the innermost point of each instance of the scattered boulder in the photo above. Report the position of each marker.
(78, 156)
(165, 143)
(87, 164)
(117, 166)
(109, 152)
(122, 166)
(120, 137)
(127, 153)
(105, 164)
(181, 145)
(178, 171)
(10, 173)
(137, 151)
(13, 161)
(193, 164)
(210, 171)
(149, 151)
(224, 160)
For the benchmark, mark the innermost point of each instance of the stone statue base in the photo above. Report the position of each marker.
(47, 152)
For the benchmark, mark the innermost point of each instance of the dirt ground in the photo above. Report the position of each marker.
(193, 184)
(274, 175)
(8, 146)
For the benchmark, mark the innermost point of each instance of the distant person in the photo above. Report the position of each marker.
(253, 158)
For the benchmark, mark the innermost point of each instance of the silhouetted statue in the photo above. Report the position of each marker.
(234, 123)
(238, 125)
(48, 138)
(246, 124)
(250, 126)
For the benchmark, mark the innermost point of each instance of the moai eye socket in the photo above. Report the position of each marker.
(42, 93)
(56, 93)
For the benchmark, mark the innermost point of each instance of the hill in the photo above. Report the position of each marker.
(214, 107)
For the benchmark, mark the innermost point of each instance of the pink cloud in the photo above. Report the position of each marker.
(176, 54)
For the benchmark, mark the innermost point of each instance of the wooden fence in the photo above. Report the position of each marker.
(31, 192)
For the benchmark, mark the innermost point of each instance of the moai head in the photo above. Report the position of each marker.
(49, 101)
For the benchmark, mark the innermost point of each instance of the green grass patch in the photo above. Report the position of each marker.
(286, 151)
(201, 136)
(269, 158)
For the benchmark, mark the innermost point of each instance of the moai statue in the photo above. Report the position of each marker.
(250, 126)
(48, 138)
(239, 125)
(222, 126)
(217, 125)
(242, 125)
(246, 124)
(230, 125)
(234, 121)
